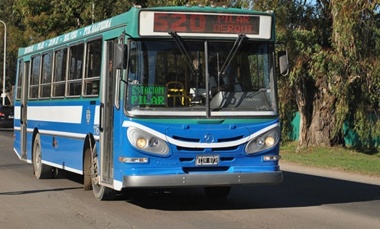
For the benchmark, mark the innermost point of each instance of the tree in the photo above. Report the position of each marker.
(334, 77)
(355, 74)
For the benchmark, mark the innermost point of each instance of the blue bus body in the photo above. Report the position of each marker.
(131, 101)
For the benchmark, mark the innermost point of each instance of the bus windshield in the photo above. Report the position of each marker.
(219, 78)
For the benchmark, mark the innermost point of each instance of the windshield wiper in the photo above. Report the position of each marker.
(234, 49)
(184, 52)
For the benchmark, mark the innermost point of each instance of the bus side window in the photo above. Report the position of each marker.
(34, 76)
(93, 67)
(45, 82)
(19, 78)
(76, 66)
(59, 76)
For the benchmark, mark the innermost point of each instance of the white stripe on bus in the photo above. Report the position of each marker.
(59, 114)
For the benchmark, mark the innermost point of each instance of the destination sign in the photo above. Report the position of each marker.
(200, 23)
(147, 95)
(159, 23)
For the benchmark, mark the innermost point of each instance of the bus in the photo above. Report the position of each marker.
(163, 97)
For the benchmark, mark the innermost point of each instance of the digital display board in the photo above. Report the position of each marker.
(197, 24)
(200, 23)
(147, 95)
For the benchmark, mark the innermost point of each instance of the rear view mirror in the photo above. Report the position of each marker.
(121, 53)
(283, 62)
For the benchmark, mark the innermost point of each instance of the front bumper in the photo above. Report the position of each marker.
(203, 179)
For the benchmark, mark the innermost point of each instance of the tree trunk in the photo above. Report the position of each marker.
(304, 99)
(320, 131)
(316, 108)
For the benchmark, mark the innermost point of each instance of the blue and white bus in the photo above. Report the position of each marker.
(154, 97)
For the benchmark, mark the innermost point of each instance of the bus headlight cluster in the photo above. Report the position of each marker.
(264, 141)
(147, 142)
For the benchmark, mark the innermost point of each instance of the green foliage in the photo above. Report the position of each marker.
(354, 36)
(45, 19)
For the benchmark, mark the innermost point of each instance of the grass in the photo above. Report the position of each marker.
(340, 158)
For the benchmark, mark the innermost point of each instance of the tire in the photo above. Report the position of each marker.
(217, 192)
(100, 192)
(41, 171)
(87, 178)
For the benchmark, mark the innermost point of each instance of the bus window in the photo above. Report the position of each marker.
(60, 62)
(19, 79)
(76, 67)
(93, 64)
(45, 86)
(34, 77)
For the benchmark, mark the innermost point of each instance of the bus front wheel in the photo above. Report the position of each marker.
(100, 192)
(41, 171)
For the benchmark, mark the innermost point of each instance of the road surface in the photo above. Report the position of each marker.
(308, 198)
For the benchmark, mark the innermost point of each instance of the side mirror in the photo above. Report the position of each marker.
(121, 53)
(283, 62)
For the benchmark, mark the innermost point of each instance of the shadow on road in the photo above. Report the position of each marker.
(35, 191)
(297, 190)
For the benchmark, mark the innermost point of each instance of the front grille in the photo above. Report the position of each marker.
(186, 139)
(230, 139)
(222, 135)
(193, 149)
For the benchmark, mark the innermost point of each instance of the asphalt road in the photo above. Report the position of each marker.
(308, 198)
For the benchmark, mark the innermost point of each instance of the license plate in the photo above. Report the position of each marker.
(10, 116)
(207, 160)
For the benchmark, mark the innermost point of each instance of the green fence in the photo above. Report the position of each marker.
(351, 138)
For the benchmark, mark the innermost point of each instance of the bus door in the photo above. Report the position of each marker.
(107, 115)
(24, 83)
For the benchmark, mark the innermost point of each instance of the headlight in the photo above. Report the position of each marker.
(141, 143)
(147, 142)
(264, 141)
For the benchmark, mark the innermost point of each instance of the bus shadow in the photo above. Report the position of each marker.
(297, 190)
(6, 131)
(25, 192)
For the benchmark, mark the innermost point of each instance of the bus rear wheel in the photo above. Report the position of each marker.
(100, 192)
(41, 171)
